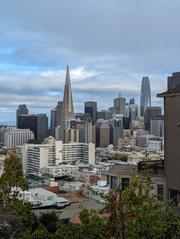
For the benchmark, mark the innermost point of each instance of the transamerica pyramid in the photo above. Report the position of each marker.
(67, 107)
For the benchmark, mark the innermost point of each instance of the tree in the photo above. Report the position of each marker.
(11, 177)
(137, 214)
(68, 231)
(92, 224)
(39, 233)
(49, 221)
(134, 213)
(13, 173)
(14, 213)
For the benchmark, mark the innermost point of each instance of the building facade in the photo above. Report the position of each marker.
(171, 142)
(22, 110)
(150, 112)
(90, 109)
(120, 105)
(17, 137)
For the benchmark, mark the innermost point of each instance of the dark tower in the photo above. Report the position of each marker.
(22, 110)
(145, 95)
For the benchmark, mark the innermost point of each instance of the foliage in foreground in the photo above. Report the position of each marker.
(130, 214)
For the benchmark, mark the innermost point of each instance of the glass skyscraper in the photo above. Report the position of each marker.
(145, 95)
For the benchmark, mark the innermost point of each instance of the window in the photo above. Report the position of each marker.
(174, 197)
(113, 182)
(124, 183)
(160, 192)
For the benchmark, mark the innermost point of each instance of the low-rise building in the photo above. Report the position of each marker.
(120, 176)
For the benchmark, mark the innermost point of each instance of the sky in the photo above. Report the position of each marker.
(109, 46)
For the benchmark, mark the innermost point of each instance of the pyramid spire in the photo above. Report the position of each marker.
(67, 107)
(67, 100)
(67, 76)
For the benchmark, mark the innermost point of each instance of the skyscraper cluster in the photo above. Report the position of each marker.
(102, 128)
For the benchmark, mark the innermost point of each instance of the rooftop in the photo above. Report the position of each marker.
(171, 92)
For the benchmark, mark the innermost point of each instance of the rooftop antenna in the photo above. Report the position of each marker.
(119, 94)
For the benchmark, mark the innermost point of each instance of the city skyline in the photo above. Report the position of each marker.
(47, 111)
(106, 55)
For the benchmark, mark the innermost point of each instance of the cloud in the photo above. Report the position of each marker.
(108, 45)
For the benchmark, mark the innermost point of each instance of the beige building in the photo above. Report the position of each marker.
(102, 134)
(120, 176)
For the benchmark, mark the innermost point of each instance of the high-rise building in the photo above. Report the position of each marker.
(56, 117)
(22, 110)
(119, 105)
(171, 143)
(104, 114)
(42, 127)
(127, 111)
(102, 134)
(90, 109)
(111, 109)
(38, 124)
(173, 80)
(149, 114)
(58, 113)
(67, 106)
(90, 132)
(133, 114)
(145, 95)
(17, 137)
(132, 101)
(157, 126)
(116, 131)
(28, 122)
(2, 133)
(53, 122)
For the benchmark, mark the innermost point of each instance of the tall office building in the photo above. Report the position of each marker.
(90, 132)
(53, 122)
(38, 124)
(28, 122)
(102, 134)
(116, 130)
(171, 143)
(90, 109)
(55, 117)
(104, 114)
(120, 105)
(58, 113)
(132, 101)
(67, 107)
(173, 80)
(42, 127)
(22, 110)
(150, 112)
(157, 126)
(133, 114)
(145, 95)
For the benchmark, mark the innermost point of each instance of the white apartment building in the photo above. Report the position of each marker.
(35, 157)
(16, 137)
